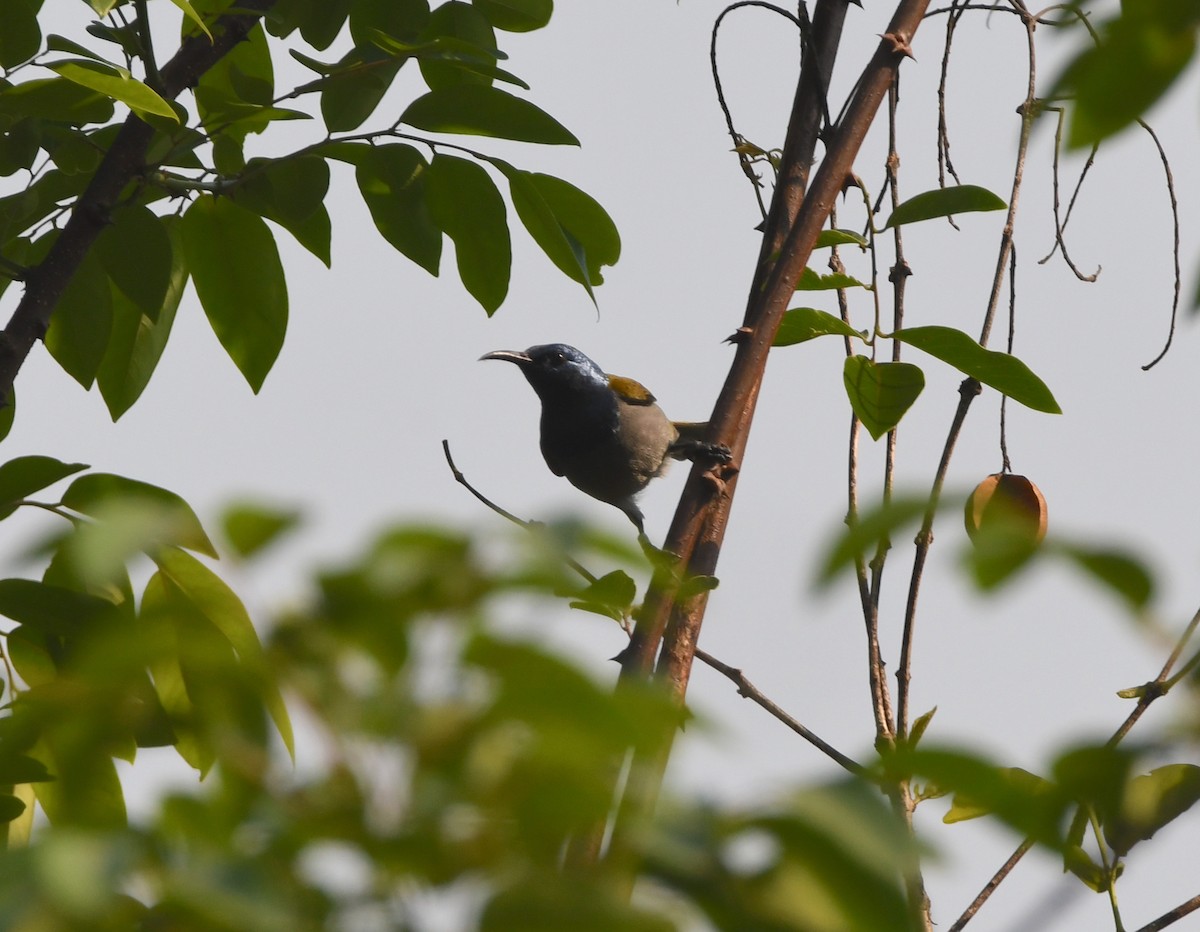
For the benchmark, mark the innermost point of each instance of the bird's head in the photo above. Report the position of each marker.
(555, 369)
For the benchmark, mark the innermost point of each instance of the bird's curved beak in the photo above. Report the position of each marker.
(521, 359)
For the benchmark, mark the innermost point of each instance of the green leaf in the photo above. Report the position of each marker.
(1003, 372)
(320, 23)
(139, 336)
(10, 808)
(210, 596)
(51, 610)
(516, 15)
(478, 110)
(21, 477)
(838, 237)
(881, 392)
(393, 180)
(190, 12)
(463, 201)
(873, 529)
(116, 83)
(291, 191)
(611, 595)
(1124, 574)
(1140, 54)
(235, 97)
(917, 732)
(135, 251)
(801, 324)
(570, 226)
(1150, 802)
(82, 322)
(56, 99)
(811, 280)
(239, 278)
(399, 20)
(20, 35)
(97, 493)
(249, 528)
(945, 202)
(352, 92)
(462, 22)
(19, 145)
(86, 790)
(1021, 782)
(1030, 804)
(8, 413)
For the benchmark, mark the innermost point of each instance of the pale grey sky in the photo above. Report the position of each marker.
(380, 365)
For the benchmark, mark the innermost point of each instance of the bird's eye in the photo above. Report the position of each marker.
(556, 359)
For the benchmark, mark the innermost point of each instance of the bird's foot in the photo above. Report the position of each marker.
(700, 451)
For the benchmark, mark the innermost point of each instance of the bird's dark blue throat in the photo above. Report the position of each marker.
(579, 412)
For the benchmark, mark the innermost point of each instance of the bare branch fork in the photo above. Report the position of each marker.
(123, 163)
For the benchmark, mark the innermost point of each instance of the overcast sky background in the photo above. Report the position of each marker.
(380, 365)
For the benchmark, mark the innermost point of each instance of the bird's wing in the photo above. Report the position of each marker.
(629, 391)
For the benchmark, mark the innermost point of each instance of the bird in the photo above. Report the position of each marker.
(605, 433)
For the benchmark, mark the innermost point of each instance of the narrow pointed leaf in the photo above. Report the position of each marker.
(801, 324)
(837, 237)
(21, 477)
(95, 493)
(82, 323)
(1127, 576)
(812, 280)
(136, 253)
(239, 278)
(139, 336)
(1001, 371)
(117, 84)
(190, 12)
(394, 182)
(864, 536)
(945, 202)
(217, 602)
(517, 15)
(20, 35)
(464, 201)
(570, 226)
(479, 110)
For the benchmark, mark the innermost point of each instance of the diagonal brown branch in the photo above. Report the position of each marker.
(798, 212)
(124, 162)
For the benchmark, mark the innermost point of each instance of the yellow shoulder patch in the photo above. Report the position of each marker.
(629, 391)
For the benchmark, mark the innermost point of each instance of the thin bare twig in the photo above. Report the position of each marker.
(1149, 693)
(1166, 164)
(990, 887)
(739, 141)
(1173, 916)
(1005, 463)
(969, 388)
(754, 694)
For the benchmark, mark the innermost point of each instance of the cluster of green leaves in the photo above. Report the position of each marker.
(1091, 786)
(1131, 60)
(202, 209)
(455, 758)
(882, 392)
(94, 671)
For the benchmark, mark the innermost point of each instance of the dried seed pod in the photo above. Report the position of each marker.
(1007, 502)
